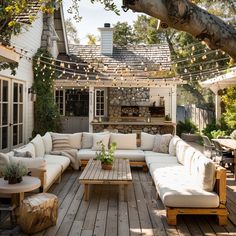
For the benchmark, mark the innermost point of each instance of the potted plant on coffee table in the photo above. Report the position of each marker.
(13, 172)
(106, 156)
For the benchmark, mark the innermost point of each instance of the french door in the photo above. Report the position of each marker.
(11, 114)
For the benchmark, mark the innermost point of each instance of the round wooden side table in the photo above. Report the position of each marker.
(17, 190)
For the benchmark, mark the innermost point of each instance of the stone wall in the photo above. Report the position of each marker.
(49, 39)
(151, 129)
(128, 97)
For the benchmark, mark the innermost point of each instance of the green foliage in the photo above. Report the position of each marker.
(145, 30)
(218, 133)
(46, 113)
(14, 170)
(123, 34)
(186, 127)
(209, 128)
(229, 100)
(106, 156)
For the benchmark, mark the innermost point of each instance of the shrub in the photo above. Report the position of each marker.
(218, 133)
(209, 128)
(186, 127)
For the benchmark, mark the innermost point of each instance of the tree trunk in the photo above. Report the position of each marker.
(186, 16)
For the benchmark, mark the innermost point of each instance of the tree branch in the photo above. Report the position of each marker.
(185, 16)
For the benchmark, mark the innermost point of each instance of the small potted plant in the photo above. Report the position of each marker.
(13, 172)
(167, 118)
(106, 156)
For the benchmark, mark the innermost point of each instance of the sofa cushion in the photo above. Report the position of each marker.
(27, 148)
(187, 158)
(132, 155)
(147, 141)
(86, 154)
(97, 138)
(47, 140)
(57, 159)
(124, 141)
(178, 189)
(52, 172)
(181, 146)
(161, 143)
(87, 139)
(60, 143)
(39, 146)
(4, 160)
(25, 154)
(160, 158)
(203, 171)
(172, 145)
(37, 163)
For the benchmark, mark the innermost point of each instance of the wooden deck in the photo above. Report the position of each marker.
(107, 214)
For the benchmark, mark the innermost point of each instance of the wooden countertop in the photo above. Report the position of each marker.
(133, 123)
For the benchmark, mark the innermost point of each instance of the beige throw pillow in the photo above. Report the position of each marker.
(161, 143)
(60, 143)
(100, 138)
(87, 139)
(124, 141)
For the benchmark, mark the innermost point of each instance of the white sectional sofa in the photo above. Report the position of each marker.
(186, 181)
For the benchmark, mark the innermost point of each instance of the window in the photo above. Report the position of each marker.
(72, 102)
(59, 95)
(100, 102)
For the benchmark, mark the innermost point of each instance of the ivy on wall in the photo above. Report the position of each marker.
(46, 115)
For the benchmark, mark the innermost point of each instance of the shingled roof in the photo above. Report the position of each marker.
(138, 60)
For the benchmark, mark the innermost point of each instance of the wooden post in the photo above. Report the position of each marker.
(91, 107)
(86, 192)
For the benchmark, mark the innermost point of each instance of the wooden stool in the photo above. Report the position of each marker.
(38, 212)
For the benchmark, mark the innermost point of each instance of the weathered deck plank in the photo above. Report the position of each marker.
(107, 214)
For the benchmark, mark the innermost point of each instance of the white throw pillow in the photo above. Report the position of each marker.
(47, 140)
(87, 139)
(124, 141)
(161, 143)
(147, 141)
(172, 145)
(100, 138)
(37, 163)
(39, 146)
(4, 160)
(181, 147)
(27, 148)
(203, 172)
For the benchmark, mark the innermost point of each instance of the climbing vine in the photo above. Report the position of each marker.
(46, 115)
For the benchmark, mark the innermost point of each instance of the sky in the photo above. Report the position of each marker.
(94, 16)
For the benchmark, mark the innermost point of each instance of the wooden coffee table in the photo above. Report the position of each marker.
(94, 174)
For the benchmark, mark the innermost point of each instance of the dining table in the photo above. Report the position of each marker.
(231, 144)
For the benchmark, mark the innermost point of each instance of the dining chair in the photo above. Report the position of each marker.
(224, 156)
(209, 148)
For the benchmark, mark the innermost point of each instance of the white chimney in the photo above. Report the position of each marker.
(106, 39)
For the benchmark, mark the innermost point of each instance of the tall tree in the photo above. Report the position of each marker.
(184, 15)
(146, 30)
(71, 32)
(123, 34)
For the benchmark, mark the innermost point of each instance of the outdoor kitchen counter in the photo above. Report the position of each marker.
(132, 123)
(135, 126)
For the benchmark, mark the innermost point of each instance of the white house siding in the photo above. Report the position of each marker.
(28, 40)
